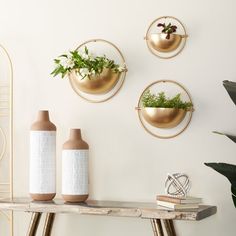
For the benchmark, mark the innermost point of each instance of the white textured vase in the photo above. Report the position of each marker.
(43, 158)
(75, 168)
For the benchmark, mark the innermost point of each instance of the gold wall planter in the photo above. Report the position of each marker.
(160, 43)
(102, 87)
(165, 123)
(163, 117)
(97, 84)
(162, 47)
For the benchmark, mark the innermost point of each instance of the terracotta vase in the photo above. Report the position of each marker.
(75, 168)
(43, 158)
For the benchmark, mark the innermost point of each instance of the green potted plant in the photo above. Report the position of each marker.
(91, 74)
(226, 169)
(163, 112)
(167, 40)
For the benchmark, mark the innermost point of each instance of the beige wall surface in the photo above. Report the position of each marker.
(126, 163)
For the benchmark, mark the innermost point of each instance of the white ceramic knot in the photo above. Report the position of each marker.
(177, 184)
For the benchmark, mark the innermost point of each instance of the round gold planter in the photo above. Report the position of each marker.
(157, 42)
(99, 88)
(165, 123)
(160, 43)
(96, 84)
(163, 117)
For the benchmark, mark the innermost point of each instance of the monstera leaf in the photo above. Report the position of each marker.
(231, 89)
(232, 137)
(229, 171)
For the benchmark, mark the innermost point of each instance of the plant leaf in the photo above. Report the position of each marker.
(231, 89)
(228, 170)
(233, 191)
(86, 50)
(231, 137)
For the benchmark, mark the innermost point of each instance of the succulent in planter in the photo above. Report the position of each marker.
(163, 112)
(89, 73)
(166, 41)
(167, 29)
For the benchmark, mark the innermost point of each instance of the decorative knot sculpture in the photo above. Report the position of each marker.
(177, 185)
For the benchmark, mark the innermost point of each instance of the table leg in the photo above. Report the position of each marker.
(171, 222)
(169, 226)
(34, 223)
(156, 227)
(48, 224)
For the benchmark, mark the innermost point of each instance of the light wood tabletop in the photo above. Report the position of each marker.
(146, 210)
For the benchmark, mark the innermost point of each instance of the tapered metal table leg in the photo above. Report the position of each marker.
(157, 228)
(34, 223)
(171, 222)
(169, 227)
(154, 227)
(48, 224)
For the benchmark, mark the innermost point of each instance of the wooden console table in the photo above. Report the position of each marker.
(160, 218)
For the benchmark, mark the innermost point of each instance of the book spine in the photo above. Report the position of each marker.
(167, 199)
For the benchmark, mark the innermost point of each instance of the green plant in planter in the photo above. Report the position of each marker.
(167, 29)
(85, 64)
(160, 100)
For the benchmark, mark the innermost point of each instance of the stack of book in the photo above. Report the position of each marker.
(178, 203)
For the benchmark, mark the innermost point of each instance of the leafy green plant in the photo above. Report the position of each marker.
(85, 64)
(167, 29)
(229, 171)
(160, 100)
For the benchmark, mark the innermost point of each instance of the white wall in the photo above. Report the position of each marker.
(126, 162)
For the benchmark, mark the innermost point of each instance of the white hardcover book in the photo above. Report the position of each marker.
(177, 206)
(179, 200)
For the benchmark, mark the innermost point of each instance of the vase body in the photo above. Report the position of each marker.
(43, 158)
(75, 168)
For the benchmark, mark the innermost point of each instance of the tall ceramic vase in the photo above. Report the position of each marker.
(43, 158)
(75, 168)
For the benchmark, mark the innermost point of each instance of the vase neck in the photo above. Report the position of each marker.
(43, 116)
(75, 134)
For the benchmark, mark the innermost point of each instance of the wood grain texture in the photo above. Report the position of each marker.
(108, 208)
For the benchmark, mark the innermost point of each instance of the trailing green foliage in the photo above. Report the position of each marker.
(167, 29)
(160, 100)
(85, 64)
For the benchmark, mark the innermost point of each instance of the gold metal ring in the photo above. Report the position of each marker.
(140, 115)
(184, 37)
(10, 132)
(117, 88)
(4, 144)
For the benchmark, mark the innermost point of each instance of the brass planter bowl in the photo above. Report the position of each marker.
(163, 117)
(96, 84)
(159, 42)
